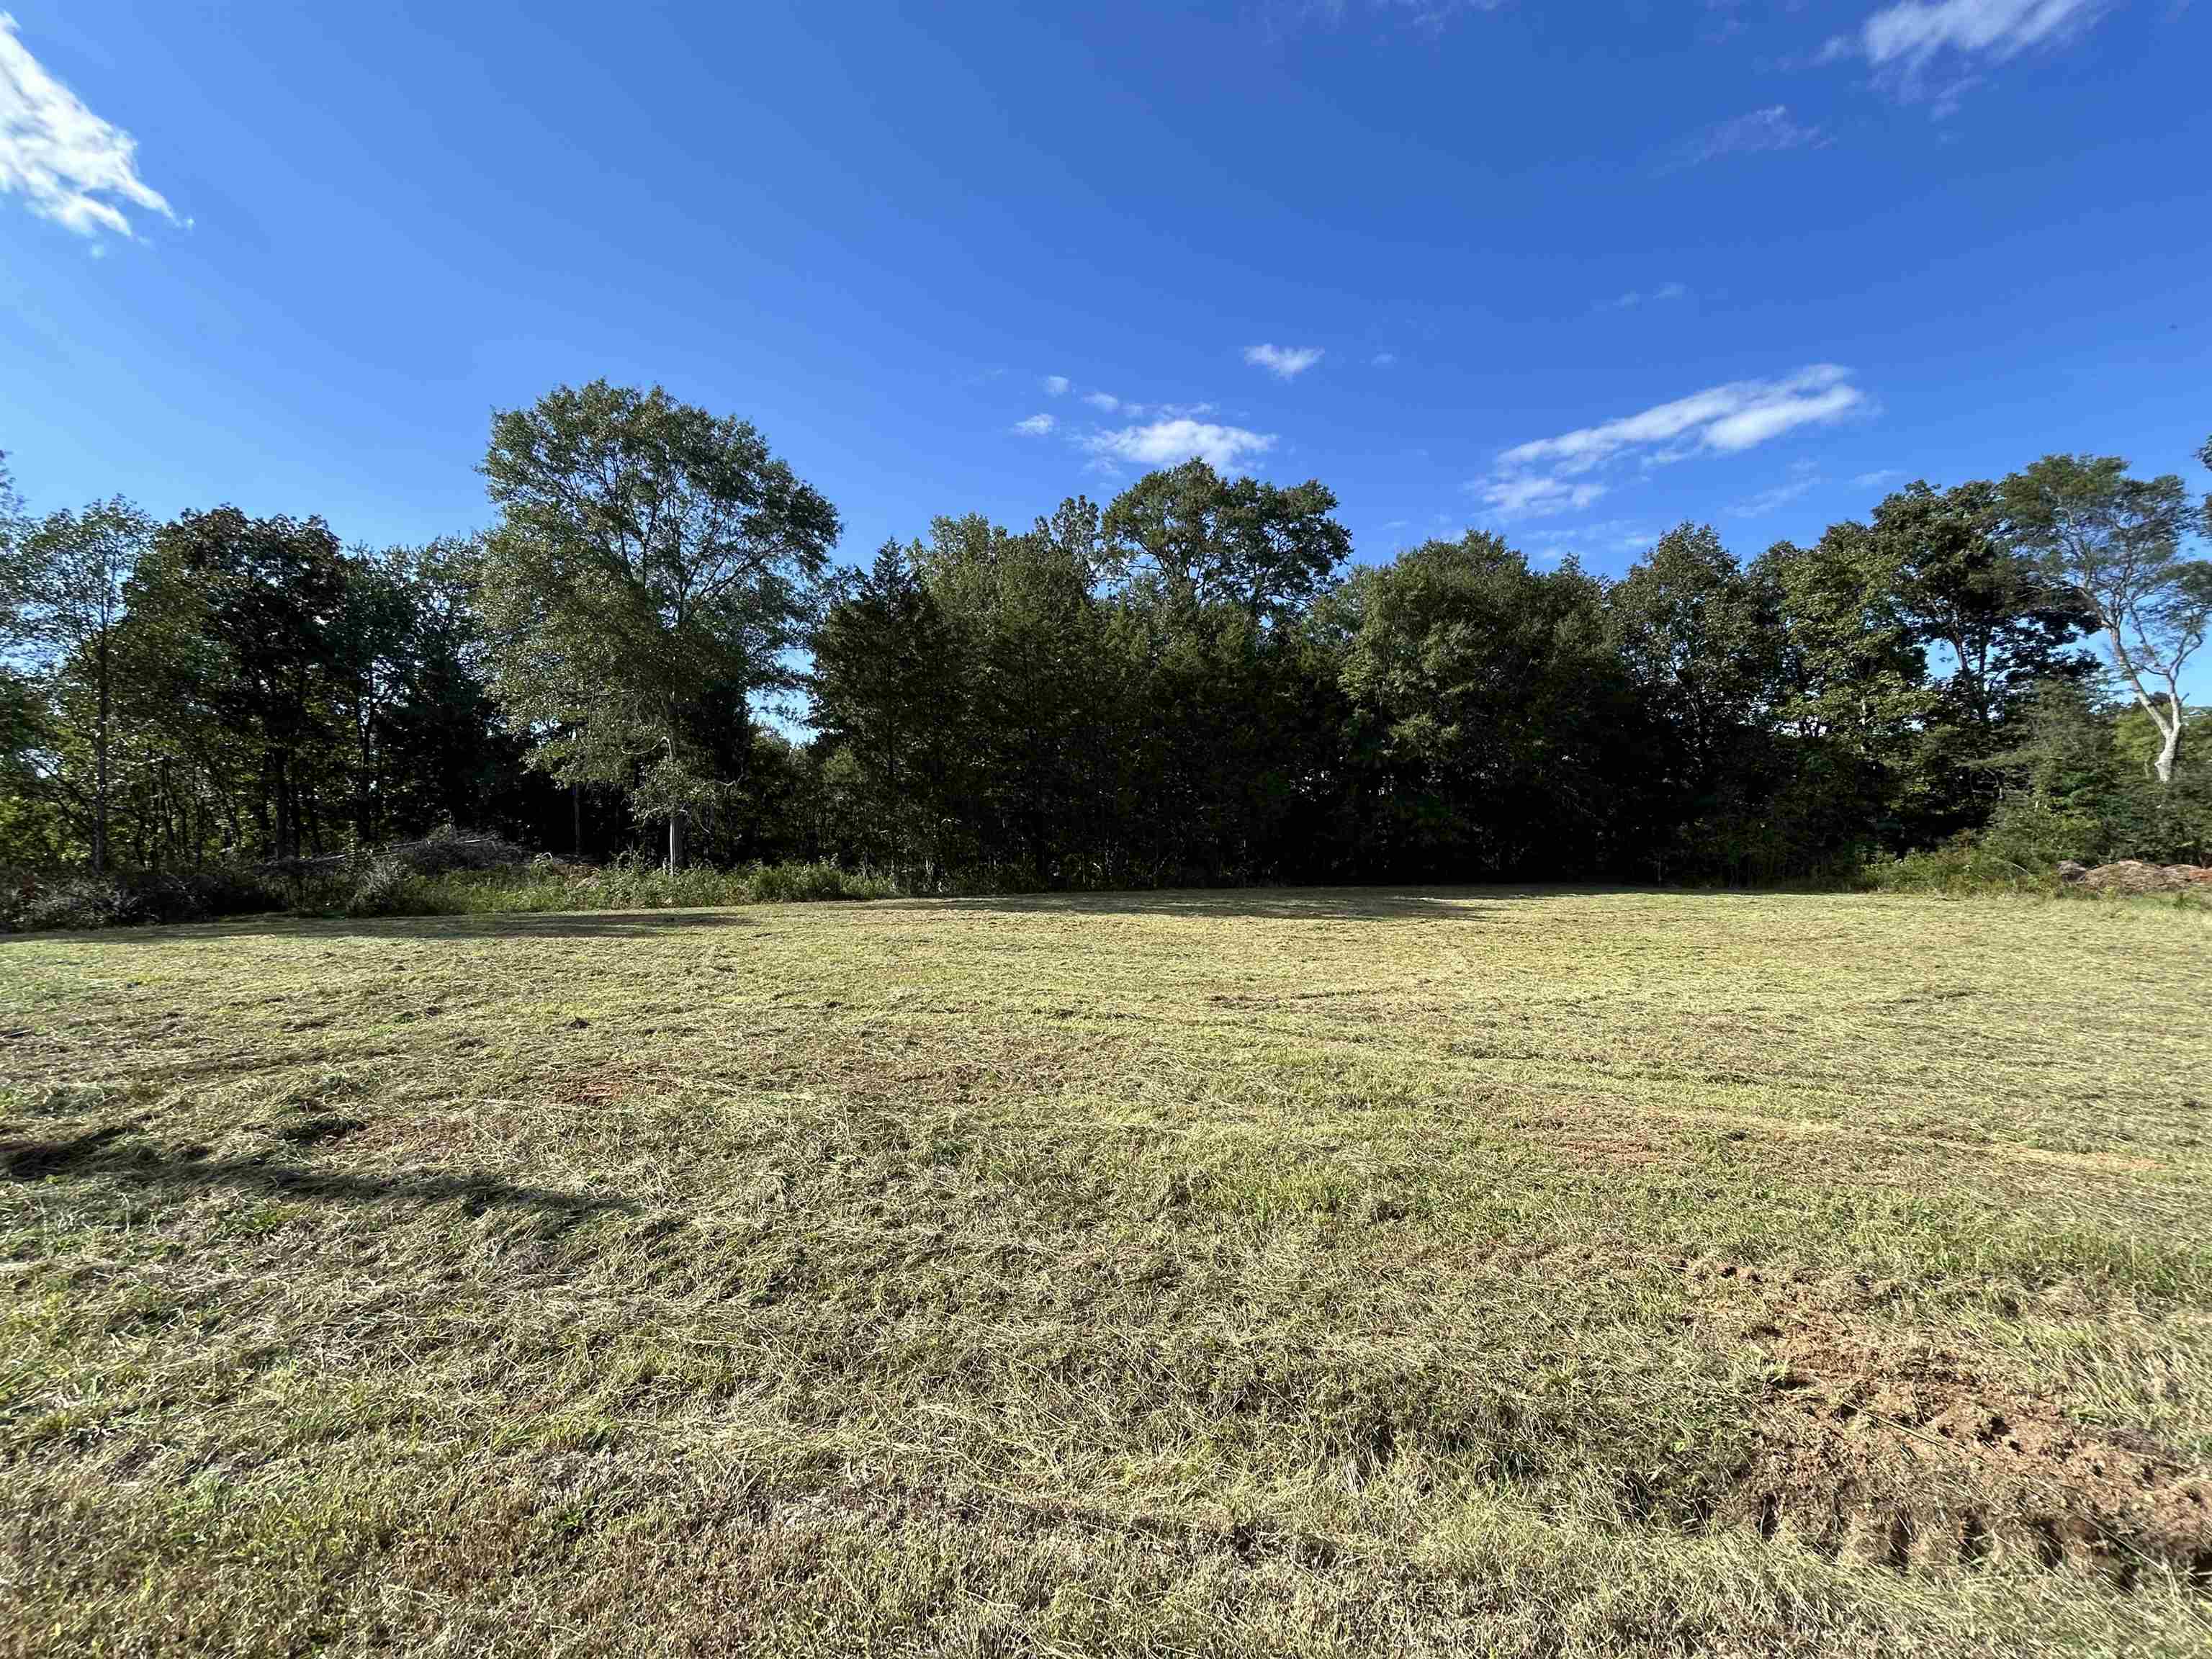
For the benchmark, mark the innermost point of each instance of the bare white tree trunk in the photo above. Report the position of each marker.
(2170, 730)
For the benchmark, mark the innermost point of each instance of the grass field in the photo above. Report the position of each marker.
(1345, 1272)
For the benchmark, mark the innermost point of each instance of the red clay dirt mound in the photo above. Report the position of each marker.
(2134, 876)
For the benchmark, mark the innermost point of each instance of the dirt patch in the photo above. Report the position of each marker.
(1901, 1453)
(315, 1131)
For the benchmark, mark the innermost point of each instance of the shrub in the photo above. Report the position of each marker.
(780, 884)
(33, 899)
(380, 888)
(1959, 867)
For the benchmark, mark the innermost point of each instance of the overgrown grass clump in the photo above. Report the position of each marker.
(1970, 868)
(1960, 868)
(547, 885)
(443, 875)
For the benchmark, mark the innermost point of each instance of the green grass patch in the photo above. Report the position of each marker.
(1526, 1271)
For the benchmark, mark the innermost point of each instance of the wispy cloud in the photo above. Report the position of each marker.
(1383, 359)
(1916, 33)
(1035, 425)
(1055, 385)
(1604, 541)
(1284, 362)
(1166, 442)
(1537, 495)
(1431, 15)
(68, 165)
(1804, 475)
(1875, 479)
(1760, 131)
(1104, 401)
(1549, 476)
(1636, 297)
(1933, 51)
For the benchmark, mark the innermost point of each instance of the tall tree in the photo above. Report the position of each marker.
(2117, 540)
(19, 722)
(1484, 699)
(1962, 583)
(72, 572)
(1203, 540)
(648, 553)
(11, 513)
(1699, 640)
(1029, 634)
(886, 688)
(267, 598)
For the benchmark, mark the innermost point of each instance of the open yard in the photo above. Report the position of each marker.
(1318, 1272)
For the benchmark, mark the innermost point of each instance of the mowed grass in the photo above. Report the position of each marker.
(1312, 1273)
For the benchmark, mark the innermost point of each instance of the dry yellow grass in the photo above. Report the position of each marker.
(1329, 1273)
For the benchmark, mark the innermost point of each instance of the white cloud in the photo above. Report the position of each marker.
(1105, 401)
(1914, 33)
(1905, 43)
(1636, 297)
(1036, 425)
(1537, 495)
(1166, 442)
(1383, 359)
(1723, 418)
(64, 160)
(1769, 128)
(1551, 475)
(1056, 385)
(1875, 479)
(1284, 362)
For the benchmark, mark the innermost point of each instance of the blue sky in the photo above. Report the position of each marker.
(1574, 273)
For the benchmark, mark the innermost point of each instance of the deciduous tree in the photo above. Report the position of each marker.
(71, 572)
(648, 555)
(2117, 540)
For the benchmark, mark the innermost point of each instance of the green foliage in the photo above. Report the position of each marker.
(1192, 541)
(1180, 688)
(2116, 541)
(2082, 783)
(1483, 700)
(652, 563)
(33, 899)
(629, 884)
(386, 887)
(1959, 868)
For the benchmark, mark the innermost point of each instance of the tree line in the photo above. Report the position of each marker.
(1191, 683)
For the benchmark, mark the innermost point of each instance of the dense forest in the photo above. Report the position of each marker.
(1193, 684)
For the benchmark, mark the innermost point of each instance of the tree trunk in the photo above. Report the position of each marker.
(576, 819)
(364, 810)
(2169, 746)
(99, 788)
(675, 842)
(282, 781)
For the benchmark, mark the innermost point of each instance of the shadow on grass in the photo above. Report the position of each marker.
(504, 924)
(1433, 904)
(1436, 903)
(104, 1153)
